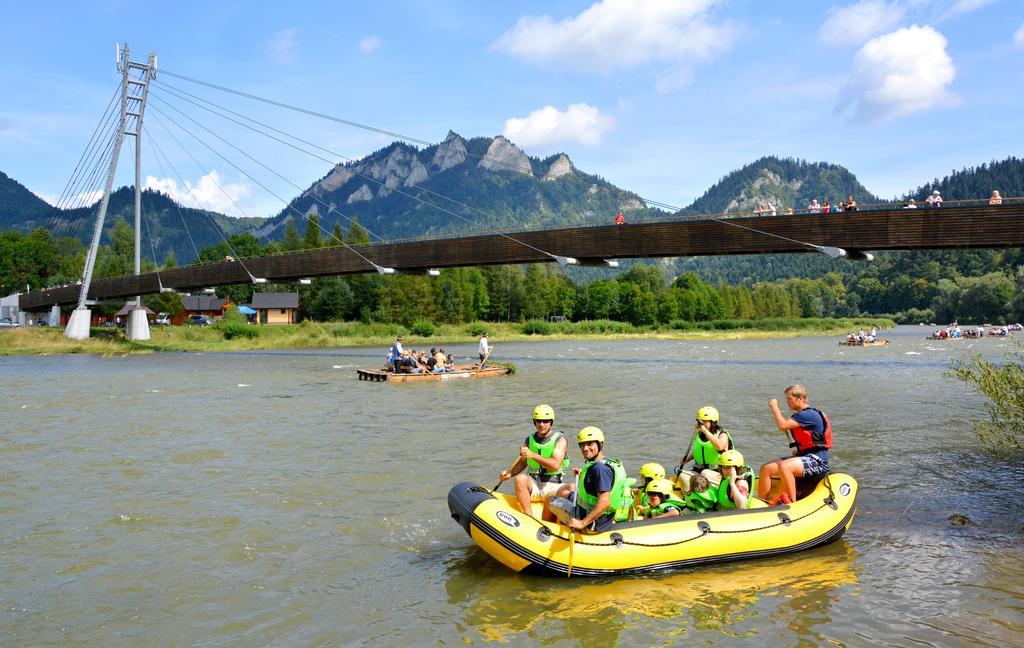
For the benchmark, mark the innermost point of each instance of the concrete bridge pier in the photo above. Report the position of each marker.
(78, 324)
(138, 325)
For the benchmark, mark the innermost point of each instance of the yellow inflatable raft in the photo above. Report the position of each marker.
(526, 544)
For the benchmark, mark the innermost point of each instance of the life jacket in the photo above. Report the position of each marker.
(621, 496)
(704, 452)
(546, 449)
(805, 441)
(661, 508)
(724, 502)
(703, 501)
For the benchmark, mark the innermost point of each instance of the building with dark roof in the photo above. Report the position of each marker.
(276, 308)
(210, 305)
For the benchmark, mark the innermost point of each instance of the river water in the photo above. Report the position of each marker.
(272, 498)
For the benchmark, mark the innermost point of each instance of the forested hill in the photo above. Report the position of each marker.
(968, 184)
(783, 181)
(18, 204)
(1006, 176)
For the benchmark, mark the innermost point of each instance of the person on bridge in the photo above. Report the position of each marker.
(484, 350)
(709, 440)
(826, 208)
(540, 469)
(934, 200)
(814, 207)
(620, 219)
(396, 353)
(812, 439)
(996, 199)
(851, 204)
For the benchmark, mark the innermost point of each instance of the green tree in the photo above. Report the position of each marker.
(357, 235)
(1003, 385)
(312, 240)
(332, 301)
(170, 261)
(291, 240)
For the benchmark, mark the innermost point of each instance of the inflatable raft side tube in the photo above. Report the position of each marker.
(464, 498)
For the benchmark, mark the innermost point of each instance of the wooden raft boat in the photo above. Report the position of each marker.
(468, 371)
(856, 343)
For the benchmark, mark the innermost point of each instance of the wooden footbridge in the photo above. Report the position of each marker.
(862, 231)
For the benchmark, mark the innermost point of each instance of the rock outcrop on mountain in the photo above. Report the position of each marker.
(562, 166)
(503, 155)
(450, 153)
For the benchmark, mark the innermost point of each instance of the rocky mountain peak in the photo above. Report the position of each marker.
(503, 155)
(562, 166)
(451, 152)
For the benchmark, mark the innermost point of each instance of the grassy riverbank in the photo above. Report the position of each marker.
(234, 336)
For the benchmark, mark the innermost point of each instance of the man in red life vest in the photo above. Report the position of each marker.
(812, 438)
(620, 219)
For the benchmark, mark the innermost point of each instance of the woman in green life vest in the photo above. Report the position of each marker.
(709, 440)
(664, 503)
(540, 469)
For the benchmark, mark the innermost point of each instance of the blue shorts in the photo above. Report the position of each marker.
(815, 465)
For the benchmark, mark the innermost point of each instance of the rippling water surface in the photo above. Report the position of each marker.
(271, 498)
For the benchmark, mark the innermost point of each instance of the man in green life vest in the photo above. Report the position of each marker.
(542, 462)
(603, 490)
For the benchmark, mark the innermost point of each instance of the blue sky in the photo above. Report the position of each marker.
(659, 97)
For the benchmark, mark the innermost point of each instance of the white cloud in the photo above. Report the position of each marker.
(83, 199)
(546, 127)
(1018, 38)
(621, 34)
(899, 73)
(854, 24)
(206, 192)
(369, 44)
(282, 47)
(965, 6)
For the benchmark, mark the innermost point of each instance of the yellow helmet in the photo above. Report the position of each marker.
(652, 471)
(731, 458)
(707, 413)
(662, 487)
(590, 433)
(543, 413)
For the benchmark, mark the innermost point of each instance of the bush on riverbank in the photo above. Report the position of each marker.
(1003, 385)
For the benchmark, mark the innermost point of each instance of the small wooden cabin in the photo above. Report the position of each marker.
(276, 308)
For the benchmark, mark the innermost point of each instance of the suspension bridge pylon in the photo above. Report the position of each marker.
(135, 78)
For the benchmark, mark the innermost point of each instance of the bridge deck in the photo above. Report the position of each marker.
(883, 229)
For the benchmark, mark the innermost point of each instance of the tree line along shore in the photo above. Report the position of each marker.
(234, 334)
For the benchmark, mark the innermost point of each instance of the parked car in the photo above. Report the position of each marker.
(163, 319)
(7, 323)
(199, 320)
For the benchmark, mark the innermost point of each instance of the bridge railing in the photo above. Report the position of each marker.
(666, 218)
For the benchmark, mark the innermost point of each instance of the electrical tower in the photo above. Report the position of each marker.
(135, 78)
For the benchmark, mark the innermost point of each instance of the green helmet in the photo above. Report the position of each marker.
(543, 413)
(707, 413)
(590, 433)
(662, 487)
(652, 471)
